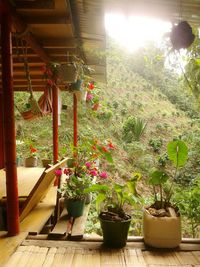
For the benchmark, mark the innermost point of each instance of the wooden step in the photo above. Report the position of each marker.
(69, 227)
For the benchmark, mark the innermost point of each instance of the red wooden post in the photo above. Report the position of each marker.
(1, 132)
(9, 122)
(55, 124)
(75, 121)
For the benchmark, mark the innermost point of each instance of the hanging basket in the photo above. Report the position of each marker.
(181, 35)
(67, 73)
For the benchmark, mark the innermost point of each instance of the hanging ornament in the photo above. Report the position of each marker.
(181, 35)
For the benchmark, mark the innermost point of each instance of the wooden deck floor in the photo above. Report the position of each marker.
(48, 253)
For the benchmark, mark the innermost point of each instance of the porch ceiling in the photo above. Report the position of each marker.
(64, 28)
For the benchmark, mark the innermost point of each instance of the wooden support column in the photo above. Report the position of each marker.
(9, 121)
(75, 121)
(1, 132)
(55, 124)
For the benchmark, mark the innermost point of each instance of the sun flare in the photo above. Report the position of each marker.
(133, 32)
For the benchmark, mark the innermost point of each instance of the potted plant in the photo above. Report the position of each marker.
(77, 87)
(81, 173)
(111, 202)
(161, 220)
(46, 157)
(32, 160)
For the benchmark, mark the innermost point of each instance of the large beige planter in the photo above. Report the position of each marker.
(161, 232)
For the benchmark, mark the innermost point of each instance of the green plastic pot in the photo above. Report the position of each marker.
(75, 208)
(115, 233)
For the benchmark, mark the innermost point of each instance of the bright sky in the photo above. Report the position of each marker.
(133, 32)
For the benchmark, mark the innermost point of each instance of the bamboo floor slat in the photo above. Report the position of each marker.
(48, 253)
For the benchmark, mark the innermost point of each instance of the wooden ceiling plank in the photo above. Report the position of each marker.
(39, 4)
(47, 20)
(21, 27)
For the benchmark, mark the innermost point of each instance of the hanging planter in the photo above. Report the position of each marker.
(67, 73)
(181, 35)
(77, 85)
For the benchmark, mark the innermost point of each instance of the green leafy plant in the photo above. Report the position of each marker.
(112, 197)
(156, 144)
(187, 200)
(177, 152)
(82, 167)
(133, 129)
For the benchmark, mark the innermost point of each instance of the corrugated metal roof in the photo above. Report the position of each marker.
(67, 28)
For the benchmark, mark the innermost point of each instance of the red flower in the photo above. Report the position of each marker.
(91, 86)
(67, 171)
(95, 106)
(104, 149)
(32, 149)
(111, 146)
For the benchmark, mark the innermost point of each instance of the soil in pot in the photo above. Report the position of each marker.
(115, 229)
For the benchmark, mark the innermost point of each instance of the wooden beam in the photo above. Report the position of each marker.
(37, 4)
(21, 27)
(52, 43)
(46, 19)
(9, 122)
(58, 42)
(49, 50)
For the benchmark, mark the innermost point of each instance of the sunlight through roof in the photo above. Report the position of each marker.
(133, 32)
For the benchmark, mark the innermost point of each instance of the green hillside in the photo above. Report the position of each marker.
(138, 88)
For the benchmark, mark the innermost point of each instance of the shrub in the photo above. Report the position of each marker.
(156, 144)
(133, 129)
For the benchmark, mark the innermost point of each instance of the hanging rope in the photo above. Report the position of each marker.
(34, 107)
(38, 108)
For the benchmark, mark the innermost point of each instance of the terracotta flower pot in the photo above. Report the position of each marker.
(161, 232)
(31, 162)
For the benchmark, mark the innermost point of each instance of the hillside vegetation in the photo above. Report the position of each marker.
(139, 89)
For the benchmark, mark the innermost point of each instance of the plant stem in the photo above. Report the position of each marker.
(173, 179)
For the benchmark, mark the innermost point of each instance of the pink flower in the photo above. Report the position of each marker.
(93, 172)
(58, 172)
(103, 175)
(88, 164)
(89, 97)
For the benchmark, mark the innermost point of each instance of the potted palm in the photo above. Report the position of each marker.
(111, 202)
(161, 220)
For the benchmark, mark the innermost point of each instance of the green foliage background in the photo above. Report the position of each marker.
(138, 86)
